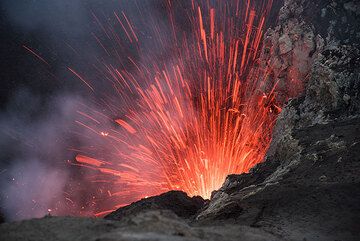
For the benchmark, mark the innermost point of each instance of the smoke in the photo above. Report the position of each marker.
(35, 137)
(32, 189)
(37, 125)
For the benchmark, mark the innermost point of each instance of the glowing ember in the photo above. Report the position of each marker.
(184, 122)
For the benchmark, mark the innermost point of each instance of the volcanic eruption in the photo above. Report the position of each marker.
(186, 121)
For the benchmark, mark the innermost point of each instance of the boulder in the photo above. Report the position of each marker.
(175, 201)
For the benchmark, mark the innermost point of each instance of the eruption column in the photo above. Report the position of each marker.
(184, 122)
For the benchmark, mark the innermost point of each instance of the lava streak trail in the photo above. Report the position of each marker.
(195, 108)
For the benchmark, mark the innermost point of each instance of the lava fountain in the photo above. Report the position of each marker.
(183, 122)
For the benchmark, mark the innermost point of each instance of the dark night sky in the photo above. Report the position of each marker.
(19, 68)
(49, 28)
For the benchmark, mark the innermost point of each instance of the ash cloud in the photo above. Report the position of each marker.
(32, 189)
(34, 172)
(37, 117)
(36, 122)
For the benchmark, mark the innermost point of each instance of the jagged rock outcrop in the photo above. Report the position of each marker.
(289, 50)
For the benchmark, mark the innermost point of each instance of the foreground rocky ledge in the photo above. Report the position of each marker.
(151, 225)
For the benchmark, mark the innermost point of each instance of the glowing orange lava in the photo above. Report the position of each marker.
(187, 121)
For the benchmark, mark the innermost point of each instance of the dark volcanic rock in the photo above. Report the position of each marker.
(175, 201)
(316, 195)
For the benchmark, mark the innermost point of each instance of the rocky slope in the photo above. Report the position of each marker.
(308, 188)
(309, 185)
